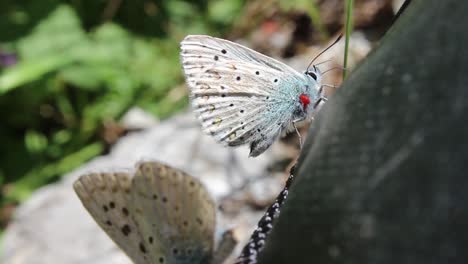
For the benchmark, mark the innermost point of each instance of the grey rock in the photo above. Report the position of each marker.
(137, 118)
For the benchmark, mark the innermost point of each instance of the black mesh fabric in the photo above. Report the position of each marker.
(383, 177)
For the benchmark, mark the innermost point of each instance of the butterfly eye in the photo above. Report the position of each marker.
(313, 75)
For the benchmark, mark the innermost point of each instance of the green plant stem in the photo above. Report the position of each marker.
(349, 29)
(39, 176)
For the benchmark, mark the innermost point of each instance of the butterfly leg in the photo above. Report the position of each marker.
(328, 85)
(225, 247)
(298, 134)
(334, 68)
(321, 99)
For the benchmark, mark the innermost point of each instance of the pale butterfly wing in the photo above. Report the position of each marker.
(106, 196)
(175, 212)
(161, 215)
(240, 95)
(202, 48)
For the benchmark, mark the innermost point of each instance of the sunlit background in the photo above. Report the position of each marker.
(76, 76)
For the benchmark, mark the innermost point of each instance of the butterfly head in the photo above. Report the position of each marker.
(314, 74)
(314, 78)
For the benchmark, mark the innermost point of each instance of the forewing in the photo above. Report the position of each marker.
(177, 214)
(204, 48)
(238, 93)
(106, 196)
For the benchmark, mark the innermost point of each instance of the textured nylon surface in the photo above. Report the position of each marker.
(383, 175)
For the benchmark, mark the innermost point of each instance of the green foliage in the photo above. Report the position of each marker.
(75, 71)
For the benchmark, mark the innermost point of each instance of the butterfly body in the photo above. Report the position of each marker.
(242, 96)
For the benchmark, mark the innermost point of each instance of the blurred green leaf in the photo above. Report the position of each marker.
(61, 137)
(22, 188)
(35, 142)
(224, 11)
(55, 35)
(27, 71)
(86, 77)
(46, 49)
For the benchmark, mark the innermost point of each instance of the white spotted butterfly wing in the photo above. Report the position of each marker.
(242, 96)
(161, 215)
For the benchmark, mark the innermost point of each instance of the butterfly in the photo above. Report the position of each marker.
(244, 97)
(157, 215)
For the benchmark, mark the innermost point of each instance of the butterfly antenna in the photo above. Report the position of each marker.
(323, 51)
(322, 62)
(334, 68)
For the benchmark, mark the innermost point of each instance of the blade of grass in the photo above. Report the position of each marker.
(37, 177)
(349, 29)
(25, 72)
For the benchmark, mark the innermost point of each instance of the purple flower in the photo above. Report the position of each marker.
(7, 59)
